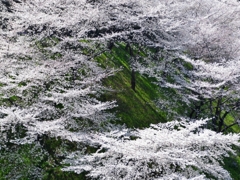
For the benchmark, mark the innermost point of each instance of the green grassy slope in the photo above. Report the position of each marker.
(135, 108)
(232, 163)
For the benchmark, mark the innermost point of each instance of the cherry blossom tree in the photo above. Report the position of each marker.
(203, 66)
(43, 78)
(50, 83)
(216, 86)
(181, 150)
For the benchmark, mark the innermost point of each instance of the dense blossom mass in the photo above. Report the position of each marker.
(51, 84)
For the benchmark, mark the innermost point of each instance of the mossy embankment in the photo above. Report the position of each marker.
(136, 108)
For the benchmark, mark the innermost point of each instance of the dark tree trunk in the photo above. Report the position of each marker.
(222, 121)
(133, 80)
(129, 49)
(110, 45)
(217, 117)
(197, 109)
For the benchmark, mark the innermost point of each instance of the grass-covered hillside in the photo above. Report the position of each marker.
(136, 108)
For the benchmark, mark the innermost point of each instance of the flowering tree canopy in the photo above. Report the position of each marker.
(51, 85)
(172, 150)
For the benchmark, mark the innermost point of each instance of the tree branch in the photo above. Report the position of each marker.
(227, 127)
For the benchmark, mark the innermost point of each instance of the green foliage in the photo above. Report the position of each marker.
(10, 100)
(188, 66)
(234, 129)
(47, 42)
(232, 164)
(44, 43)
(21, 162)
(27, 161)
(23, 83)
(59, 106)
